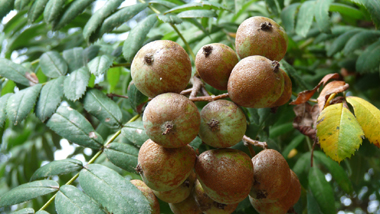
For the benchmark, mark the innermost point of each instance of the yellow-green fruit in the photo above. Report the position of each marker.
(180, 193)
(161, 66)
(255, 82)
(214, 63)
(287, 93)
(223, 124)
(164, 169)
(147, 192)
(261, 36)
(207, 205)
(188, 206)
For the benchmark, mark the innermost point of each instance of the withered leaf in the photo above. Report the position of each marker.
(330, 88)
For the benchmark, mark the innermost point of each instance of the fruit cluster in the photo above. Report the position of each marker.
(218, 179)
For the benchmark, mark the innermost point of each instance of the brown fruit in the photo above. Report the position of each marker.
(287, 93)
(209, 206)
(271, 174)
(226, 174)
(180, 193)
(188, 206)
(261, 36)
(171, 120)
(164, 169)
(214, 63)
(147, 192)
(255, 82)
(161, 66)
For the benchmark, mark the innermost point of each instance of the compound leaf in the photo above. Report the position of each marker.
(53, 9)
(42, 212)
(196, 14)
(5, 8)
(58, 167)
(339, 133)
(3, 104)
(288, 17)
(100, 64)
(24, 211)
(135, 133)
(321, 190)
(305, 18)
(74, 58)
(373, 8)
(36, 10)
(20, 4)
(205, 5)
(369, 61)
(340, 42)
(360, 40)
(321, 14)
(13, 71)
(136, 98)
(122, 155)
(74, 9)
(53, 65)
(170, 18)
(76, 84)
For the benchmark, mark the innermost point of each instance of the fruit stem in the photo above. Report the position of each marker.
(209, 98)
(197, 85)
(248, 140)
(250, 149)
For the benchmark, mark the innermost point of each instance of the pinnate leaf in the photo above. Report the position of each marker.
(322, 191)
(196, 14)
(100, 64)
(3, 104)
(5, 8)
(288, 17)
(339, 133)
(53, 9)
(305, 18)
(76, 84)
(20, 4)
(122, 155)
(136, 98)
(74, 58)
(74, 9)
(340, 42)
(36, 10)
(135, 133)
(322, 16)
(205, 5)
(24, 211)
(53, 65)
(13, 71)
(170, 18)
(373, 8)
(58, 167)
(360, 40)
(369, 61)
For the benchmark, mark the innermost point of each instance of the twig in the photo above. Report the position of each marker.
(111, 95)
(312, 154)
(186, 91)
(250, 148)
(204, 91)
(197, 84)
(248, 140)
(209, 98)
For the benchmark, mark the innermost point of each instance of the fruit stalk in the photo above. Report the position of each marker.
(248, 140)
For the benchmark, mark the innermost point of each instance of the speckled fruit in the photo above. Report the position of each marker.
(147, 192)
(255, 82)
(188, 206)
(164, 169)
(287, 93)
(226, 174)
(223, 124)
(207, 205)
(180, 193)
(261, 36)
(282, 205)
(161, 66)
(171, 120)
(272, 176)
(214, 63)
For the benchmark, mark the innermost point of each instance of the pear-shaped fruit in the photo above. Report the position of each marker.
(188, 206)
(147, 192)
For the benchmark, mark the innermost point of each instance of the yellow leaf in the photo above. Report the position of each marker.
(339, 133)
(368, 117)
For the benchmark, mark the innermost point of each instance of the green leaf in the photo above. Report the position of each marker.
(24, 211)
(53, 9)
(98, 17)
(20, 104)
(164, 3)
(100, 64)
(53, 65)
(312, 204)
(76, 84)
(322, 191)
(293, 144)
(301, 168)
(205, 5)
(120, 17)
(321, 13)
(70, 200)
(339, 134)
(273, 5)
(74, 58)
(73, 126)
(137, 36)
(3, 104)
(305, 18)
(281, 129)
(13, 71)
(73, 10)
(336, 171)
(135, 133)
(288, 17)
(294, 74)
(21, 4)
(113, 77)
(42, 212)
(347, 10)
(360, 40)
(36, 10)
(122, 155)
(103, 108)
(369, 61)
(196, 143)
(58, 167)
(5, 8)
(28, 191)
(112, 191)
(50, 97)
(170, 18)
(196, 14)
(341, 41)
(136, 98)
(373, 8)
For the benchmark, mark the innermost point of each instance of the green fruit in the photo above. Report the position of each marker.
(214, 63)
(180, 193)
(159, 67)
(188, 206)
(147, 192)
(272, 176)
(207, 205)
(255, 82)
(223, 124)
(261, 36)
(287, 93)
(226, 175)
(171, 120)
(164, 169)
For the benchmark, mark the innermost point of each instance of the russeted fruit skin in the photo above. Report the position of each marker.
(287, 93)
(180, 193)
(223, 124)
(171, 120)
(226, 175)
(147, 192)
(272, 176)
(207, 205)
(188, 206)
(261, 36)
(214, 63)
(161, 66)
(164, 169)
(282, 205)
(255, 82)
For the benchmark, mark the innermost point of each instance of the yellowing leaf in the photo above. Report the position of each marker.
(339, 132)
(368, 117)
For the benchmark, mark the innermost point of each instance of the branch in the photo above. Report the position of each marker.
(248, 140)
(209, 98)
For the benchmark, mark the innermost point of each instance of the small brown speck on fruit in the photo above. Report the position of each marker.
(207, 50)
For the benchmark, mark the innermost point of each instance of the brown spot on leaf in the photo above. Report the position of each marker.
(92, 135)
